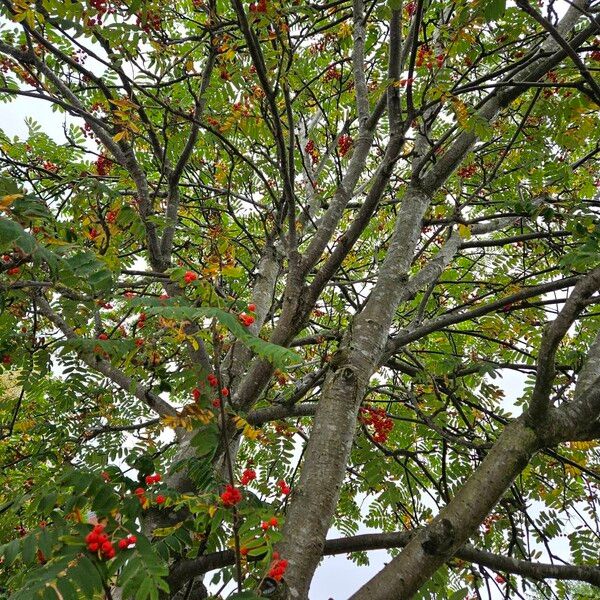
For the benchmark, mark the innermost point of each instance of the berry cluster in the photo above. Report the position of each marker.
(103, 165)
(312, 151)
(245, 318)
(489, 521)
(424, 55)
(467, 171)
(377, 418)
(141, 495)
(410, 8)
(284, 488)
(87, 131)
(247, 476)
(189, 277)
(231, 496)
(344, 144)
(150, 22)
(6, 65)
(259, 7)
(278, 567)
(150, 479)
(595, 55)
(125, 543)
(271, 523)
(50, 166)
(111, 216)
(13, 271)
(101, 7)
(332, 74)
(97, 541)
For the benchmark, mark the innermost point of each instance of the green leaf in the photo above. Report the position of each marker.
(86, 576)
(278, 355)
(67, 589)
(206, 440)
(12, 234)
(494, 9)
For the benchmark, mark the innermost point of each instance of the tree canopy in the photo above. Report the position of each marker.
(267, 282)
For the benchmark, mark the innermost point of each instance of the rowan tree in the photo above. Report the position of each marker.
(267, 283)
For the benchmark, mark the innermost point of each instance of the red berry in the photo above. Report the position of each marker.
(160, 499)
(106, 546)
(132, 539)
(247, 476)
(13, 271)
(273, 522)
(231, 496)
(124, 543)
(93, 547)
(225, 392)
(190, 276)
(196, 394)
(264, 526)
(251, 307)
(102, 336)
(344, 144)
(216, 403)
(243, 551)
(284, 488)
(139, 491)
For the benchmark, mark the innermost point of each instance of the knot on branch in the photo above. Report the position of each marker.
(439, 537)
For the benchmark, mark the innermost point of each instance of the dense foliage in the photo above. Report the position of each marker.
(267, 282)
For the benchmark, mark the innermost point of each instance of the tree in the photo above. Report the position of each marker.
(265, 285)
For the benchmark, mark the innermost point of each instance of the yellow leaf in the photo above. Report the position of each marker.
(120, 135)
(177, 421)
(30, 18)
(584, 445)
(212, 510)
(464, 231)
(248, 431)
(6, 201)
(164, 531)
